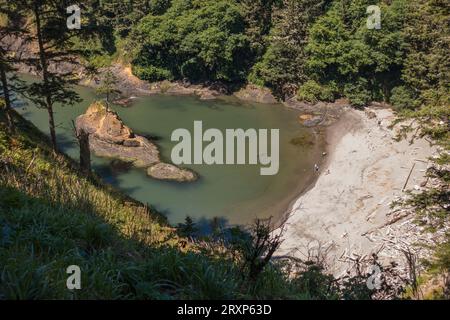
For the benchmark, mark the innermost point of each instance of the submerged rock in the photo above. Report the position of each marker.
(165, 171)
(310, 120)
(119, 166)
(304, 140)
(206, 95)
(124, 102)
(109, 137)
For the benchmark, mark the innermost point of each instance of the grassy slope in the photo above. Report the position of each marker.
(52, 217)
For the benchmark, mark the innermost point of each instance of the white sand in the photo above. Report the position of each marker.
(366, 171)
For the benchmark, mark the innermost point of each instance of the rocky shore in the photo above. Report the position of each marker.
(252, 93)
(129, 84)
(109, 137)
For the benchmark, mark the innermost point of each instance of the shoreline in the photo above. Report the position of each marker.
(364, 171)
(310, 181)
(329, 147)
(333, 116)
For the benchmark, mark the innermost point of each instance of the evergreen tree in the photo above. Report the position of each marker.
(11, 25)
(108, 86)
(282, 67)
(427, 65)
(54, 42)
(258, 17)
(188, 228)
(361, 64)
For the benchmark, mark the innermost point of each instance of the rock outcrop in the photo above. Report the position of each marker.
(252, 93)
(203, 92)
(109, 137)
(320, 114)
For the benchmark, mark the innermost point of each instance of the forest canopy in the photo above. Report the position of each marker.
(318, 50)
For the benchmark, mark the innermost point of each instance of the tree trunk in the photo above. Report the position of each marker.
(4, 81)
(51, 124)
(43, 62)
(85, 152)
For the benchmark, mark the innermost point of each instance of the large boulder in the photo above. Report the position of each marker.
(110, 137)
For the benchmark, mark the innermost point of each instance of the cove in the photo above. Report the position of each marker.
(236, 194)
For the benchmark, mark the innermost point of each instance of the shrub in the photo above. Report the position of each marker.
(357, 92)
(403, 98)
(312, 92)
(151, 73)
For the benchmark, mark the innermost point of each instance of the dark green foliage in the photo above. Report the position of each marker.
(194, 40)
(427, 65)
(317, 283)
(365, 63)
(403, 98)
(258, 17)
(402, 61)
(108, 87)
(312, 92)
(152, 73)
(12, 18)
(257, 248)
(121, 16)
(285, 45)
(358, 92)
(283, 65)
(187, 229)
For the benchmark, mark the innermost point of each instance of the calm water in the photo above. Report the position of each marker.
(235, 193)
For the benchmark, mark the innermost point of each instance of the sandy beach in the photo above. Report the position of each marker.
(365, 170)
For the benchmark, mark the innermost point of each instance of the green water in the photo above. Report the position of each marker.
(235, 193)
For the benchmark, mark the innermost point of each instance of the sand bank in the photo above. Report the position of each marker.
(365, 171)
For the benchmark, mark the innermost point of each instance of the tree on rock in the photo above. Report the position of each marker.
(108, 87)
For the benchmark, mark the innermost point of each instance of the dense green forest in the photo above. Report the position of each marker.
(315, 50)
(310, 50)
(320, 50)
